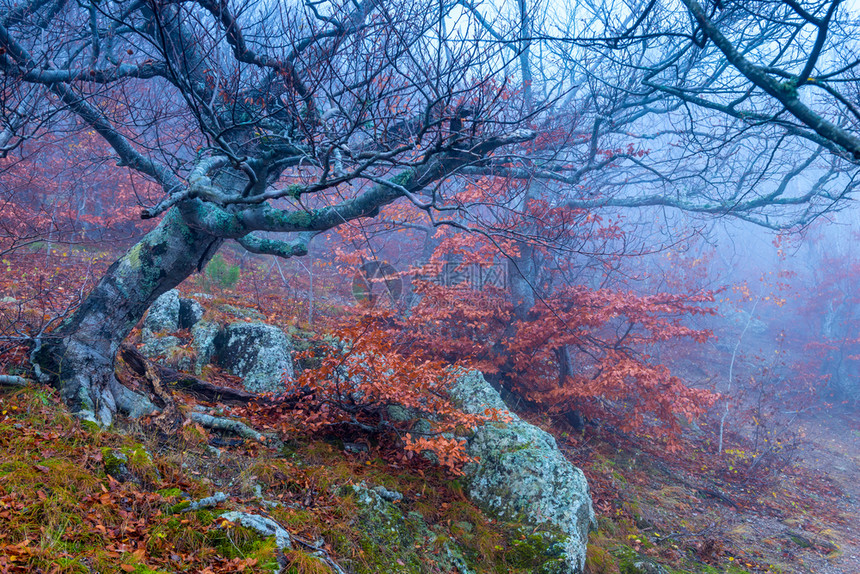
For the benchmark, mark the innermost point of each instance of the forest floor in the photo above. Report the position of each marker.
(798, 513)
(794, 511)
(63, 510)
(80, 500)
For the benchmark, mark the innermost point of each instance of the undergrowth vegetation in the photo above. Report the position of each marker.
(76, 499)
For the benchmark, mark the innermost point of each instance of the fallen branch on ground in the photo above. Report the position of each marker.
(706, 491)
(14, 381)
(319, 552)
(263, 525)
(183, 381)
(158, 376)
(230, 425)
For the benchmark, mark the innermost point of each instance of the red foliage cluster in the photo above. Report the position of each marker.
(581, 349)
(364, 368)
(68, 190)
(38, 291)
(577, 348)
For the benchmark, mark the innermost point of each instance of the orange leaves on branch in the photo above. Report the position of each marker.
(581, 349)
(369, 380)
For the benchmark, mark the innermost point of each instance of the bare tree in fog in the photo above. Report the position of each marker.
(264, 117)
(768, 94)
(254, 118)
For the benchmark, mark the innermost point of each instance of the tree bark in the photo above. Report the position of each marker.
(79, 357)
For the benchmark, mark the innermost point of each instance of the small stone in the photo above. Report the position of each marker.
(389, 495)
(115, 463)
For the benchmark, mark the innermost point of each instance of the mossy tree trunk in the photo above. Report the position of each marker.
(79, 357)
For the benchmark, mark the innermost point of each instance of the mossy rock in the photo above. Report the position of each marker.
(522, 476)
(115, 463)
(540, 552)
(631, 562)
(392, 541)
(129, 463)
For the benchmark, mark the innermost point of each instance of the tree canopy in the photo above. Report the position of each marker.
(532, 126)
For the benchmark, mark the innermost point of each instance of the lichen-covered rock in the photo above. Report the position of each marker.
(392, 536)
(163, 316)
(203, 336)
(190, 313)
(522, 475)
(115, 463)
(257, 352)
(171, 312)
(158, 345)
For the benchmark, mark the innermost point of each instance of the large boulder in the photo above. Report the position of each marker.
(190, 313)
(163, 315)
(161, 320)
(257, 352)
(521, 475)
(203, 337)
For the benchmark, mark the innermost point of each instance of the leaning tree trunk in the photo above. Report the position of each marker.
(79, 357)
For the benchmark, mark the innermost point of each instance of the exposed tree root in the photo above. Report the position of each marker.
(185, 382)
(14, 381)
(171, 418)
(231, 425)
(135, 405)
